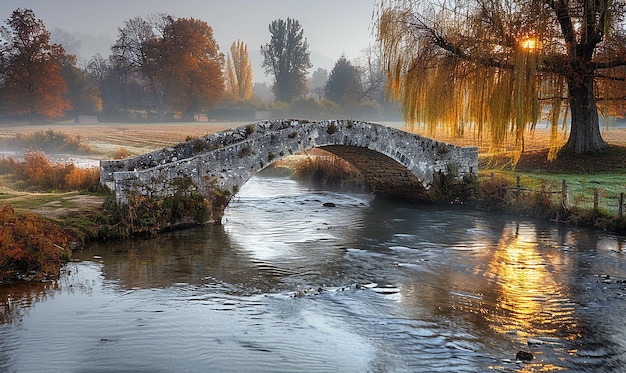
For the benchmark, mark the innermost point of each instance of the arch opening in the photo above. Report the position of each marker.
(386, 177)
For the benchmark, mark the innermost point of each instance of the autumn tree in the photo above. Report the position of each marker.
(287, 57)
(503, 66)
(179, 59)
(239, 72)
(344, 83)
(30, 77)
(190, 66)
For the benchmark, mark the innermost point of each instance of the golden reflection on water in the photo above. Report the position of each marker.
(529, 302)
(513, 293)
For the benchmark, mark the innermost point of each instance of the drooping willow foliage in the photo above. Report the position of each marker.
(492, 66)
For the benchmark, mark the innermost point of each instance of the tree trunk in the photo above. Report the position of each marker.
(585, 127)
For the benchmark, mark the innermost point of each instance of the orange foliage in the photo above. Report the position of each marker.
(121, 153)
(30, 246)
(189, 65)
(81, 178)
(37, 170)
(32, 81)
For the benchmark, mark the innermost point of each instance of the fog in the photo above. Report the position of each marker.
(332, 28)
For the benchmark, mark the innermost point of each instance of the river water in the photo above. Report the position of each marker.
(288, 284)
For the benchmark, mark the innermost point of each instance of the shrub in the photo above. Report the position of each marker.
(7, 165)
(121, 153)
(249, 129)
(81, 178)
(493, 193)
(545, 207)
(148, 216)
(328, 169)
(332, 129)
(448, 188)
(30, 247)
(38, 171)
(52, 142)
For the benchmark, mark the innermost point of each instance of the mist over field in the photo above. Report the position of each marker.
(105, 75)
(332, 28)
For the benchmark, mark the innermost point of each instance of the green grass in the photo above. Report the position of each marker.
(580, 187)
(40, 200)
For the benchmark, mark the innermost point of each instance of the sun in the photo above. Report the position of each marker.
(530, 43)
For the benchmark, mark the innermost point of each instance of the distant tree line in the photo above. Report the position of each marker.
(164, 68)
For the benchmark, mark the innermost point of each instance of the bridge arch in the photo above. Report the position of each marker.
(396, 163)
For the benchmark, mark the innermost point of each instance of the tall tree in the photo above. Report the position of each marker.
(500, 65)
(239, 72)
(287, 57)
(317, 82)
(344, 83)
(119, 86)
(373, 77)
(100, 72)
(189, 66)
(31, 81)
(82, 92)
(179, 59)
(130, 54)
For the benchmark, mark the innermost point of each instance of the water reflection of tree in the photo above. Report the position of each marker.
(197, 256)
(16, 298)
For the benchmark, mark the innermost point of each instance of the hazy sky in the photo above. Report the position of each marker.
(332, 27)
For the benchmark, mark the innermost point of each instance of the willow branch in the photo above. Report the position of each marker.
(611, 64)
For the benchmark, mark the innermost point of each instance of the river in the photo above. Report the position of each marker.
(305, 279)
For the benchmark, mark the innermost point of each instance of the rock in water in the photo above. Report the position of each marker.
(329, 204)
(524, 356)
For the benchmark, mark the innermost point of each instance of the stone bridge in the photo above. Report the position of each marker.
(396, 164)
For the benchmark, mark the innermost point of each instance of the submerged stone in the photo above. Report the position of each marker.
(524, 356)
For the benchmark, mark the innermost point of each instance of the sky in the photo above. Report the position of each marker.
(332, 27)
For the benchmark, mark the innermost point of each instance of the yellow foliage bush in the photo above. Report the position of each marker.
(38, 171)
(81, 178)
(30, 247)
(122, 153)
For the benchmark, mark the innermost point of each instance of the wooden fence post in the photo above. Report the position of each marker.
(519, 186)
(621, 204)
(595, 198)
(564, 195)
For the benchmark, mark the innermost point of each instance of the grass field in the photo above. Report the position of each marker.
(104, 138)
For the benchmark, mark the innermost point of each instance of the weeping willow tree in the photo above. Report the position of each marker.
(500, 67)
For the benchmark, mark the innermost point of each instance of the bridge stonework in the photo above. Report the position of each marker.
(397, 164)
